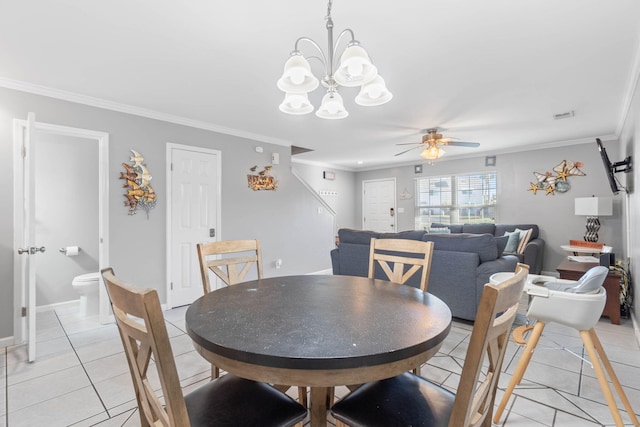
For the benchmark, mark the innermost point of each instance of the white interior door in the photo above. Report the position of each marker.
(194, 217)
(27, 248)
(379, 205)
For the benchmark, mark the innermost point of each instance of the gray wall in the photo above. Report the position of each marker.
(286, 221)
(344, 186)
(553, 213)
(630, 138)
(66, 196)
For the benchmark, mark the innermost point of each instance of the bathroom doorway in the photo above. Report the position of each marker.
(52, 164)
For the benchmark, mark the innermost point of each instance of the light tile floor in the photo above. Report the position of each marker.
(81, 378)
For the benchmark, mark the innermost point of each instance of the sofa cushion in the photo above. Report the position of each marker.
(408, 234)
(501, 242)
(501, 228)
(512, 242)
(525, 235)
(483, 228)
(442, 230)
(482, 244)
(455, 228)
(362, 237)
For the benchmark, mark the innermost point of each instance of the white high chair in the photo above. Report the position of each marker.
(579, 306)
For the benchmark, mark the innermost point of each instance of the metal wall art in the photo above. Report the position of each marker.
(263, 180)
(139, 191)
(556, 181)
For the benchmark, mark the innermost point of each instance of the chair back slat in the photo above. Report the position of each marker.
(144, 336)
(475, 395)
(230, 269)
(394, 265)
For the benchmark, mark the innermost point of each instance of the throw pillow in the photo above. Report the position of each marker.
(501, 242)
(525, 235)
(512, 243)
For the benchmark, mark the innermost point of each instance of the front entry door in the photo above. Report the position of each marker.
(379, 205)
(194, 217)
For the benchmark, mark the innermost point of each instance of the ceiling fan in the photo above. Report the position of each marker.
(432, 142)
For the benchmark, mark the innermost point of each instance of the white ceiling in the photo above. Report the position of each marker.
(490, 71)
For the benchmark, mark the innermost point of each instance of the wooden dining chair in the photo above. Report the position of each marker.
(414, 254)
(408, 399)
(230, 400)
(230, 270)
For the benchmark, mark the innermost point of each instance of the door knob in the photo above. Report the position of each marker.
(31, 250)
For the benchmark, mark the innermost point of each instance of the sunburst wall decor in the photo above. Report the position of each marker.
(556, 181)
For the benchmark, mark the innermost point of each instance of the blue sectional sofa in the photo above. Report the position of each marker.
(461, 265)
(533, 251)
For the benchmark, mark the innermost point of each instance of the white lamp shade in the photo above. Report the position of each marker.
(296, 103)
(374, 93)
(355, 67)
(332, 107)
(594, 206)
(297, 76)
(432, 152)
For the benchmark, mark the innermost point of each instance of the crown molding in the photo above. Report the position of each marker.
(136, 111)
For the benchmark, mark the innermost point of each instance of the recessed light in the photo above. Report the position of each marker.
(360, 162)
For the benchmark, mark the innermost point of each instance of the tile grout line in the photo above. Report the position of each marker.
(82, 364)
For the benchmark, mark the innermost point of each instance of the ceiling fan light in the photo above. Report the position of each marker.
(332, 107)
(432, 152)
(297, 76)
(355, 68)
(296, 104)
(374, 93)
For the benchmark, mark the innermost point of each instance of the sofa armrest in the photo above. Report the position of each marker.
(533, 255)
(335, 261)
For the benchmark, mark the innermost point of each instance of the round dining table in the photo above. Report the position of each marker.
(318, 331)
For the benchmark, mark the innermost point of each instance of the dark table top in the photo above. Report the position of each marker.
(318, 322)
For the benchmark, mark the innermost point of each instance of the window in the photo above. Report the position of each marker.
(457, 199)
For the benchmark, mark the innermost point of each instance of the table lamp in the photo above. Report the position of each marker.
(593, 207)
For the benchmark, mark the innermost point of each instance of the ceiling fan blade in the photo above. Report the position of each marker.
(463, 144)
(406, 151)
(409, 143)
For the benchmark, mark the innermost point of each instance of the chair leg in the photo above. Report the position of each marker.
(302, 396)
(520, 369)
(613, 376)
(215, 372)
(590, 338)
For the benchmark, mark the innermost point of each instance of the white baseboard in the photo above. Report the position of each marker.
(49, 307)
(6, 342)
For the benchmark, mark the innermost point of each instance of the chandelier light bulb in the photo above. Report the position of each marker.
(297, 76)
(374, 93)
(296, 104)
(332, 107)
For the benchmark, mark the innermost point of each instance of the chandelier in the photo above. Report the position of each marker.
(355, 69)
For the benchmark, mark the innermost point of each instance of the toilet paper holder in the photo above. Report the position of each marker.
(64, 250)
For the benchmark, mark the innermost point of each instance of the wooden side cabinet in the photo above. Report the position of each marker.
(572, 270)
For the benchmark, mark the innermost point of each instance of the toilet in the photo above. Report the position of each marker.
(87, 286)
